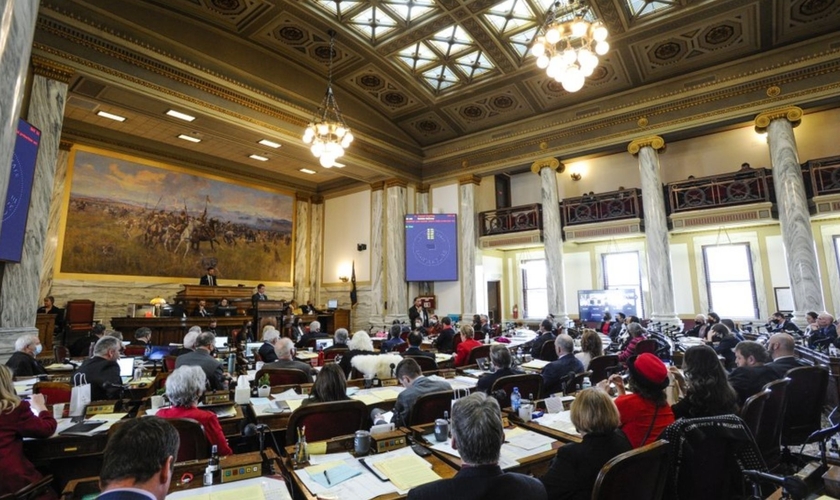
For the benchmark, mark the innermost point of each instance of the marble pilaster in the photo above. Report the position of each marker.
(316, 228)
(396, 290)
(17, 27)
(794, 217)
(663, 309)
(377, 237)
(422, 206)
(553, 237)
(467, 243)
(301, 249)
(56, 202)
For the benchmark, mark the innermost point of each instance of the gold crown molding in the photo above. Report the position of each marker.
(552, 163)
(377, 186)
(469, 179)
(792, 114)
(422, 189)
(395, 183)
(303, 197)
(317, 199)
(51, 69)
(653, 141)
(64, 145)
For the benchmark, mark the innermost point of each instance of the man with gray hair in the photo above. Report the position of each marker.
(478, 435)
(285, 350)
(22, 362)
(201, 357)
(102, 371)
(502, 363)
(339, 339)
(555, 373)
(310, 336)
(189, 342)
(142, 336)
(270, 337)
(411, 377)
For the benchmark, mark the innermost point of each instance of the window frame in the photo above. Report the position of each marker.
(525, 288)
(756, 311)
(640, 291)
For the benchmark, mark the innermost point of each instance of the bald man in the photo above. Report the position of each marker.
(781, 347)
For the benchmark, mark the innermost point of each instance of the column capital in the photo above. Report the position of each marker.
(653, 141)
(51, 69)
(422, 188)
(317, 199)
(469, 179)
(552, 163)
(377, 186)
(303, 197)
(65, 145)
(792, 114)
(395, 183)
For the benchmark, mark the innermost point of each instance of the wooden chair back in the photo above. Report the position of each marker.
(326, 420)
(528, 383)
(639, 474)
(283, 376)
(805, 399)
(54, 392)
(430, 407)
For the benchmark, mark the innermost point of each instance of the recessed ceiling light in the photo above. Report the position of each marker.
(189, 138)
(111, 116)
(258, 157)
(180, 116)
(271, 144)
(307, 171)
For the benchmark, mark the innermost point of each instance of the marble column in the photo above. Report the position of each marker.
(316, 240)
(51, 241)
(301, 280)
(658, 250)
(21, 281)
(552, 236)
(467, 240)
(17, 27)
(421, 206)
(794, 217)
(377, 237)
(396, 290)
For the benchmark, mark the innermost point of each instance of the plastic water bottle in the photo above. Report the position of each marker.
(586, 384)
(515, 399)
(519, 355)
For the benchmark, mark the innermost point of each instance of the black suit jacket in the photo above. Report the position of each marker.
(413, 314)
(782, 365)
(303, 343)
(257, 297)
(211, 366)
(98, 371)
(24, 365)
(121, 494)
(485, 383)
(208, 280)
(267, 353)
(445, 340)
(748, 380)
(483, 482)
(416, 351)
(536, 346)
(571, 474)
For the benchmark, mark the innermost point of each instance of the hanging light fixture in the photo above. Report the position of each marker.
(327, 132)
(568, 50)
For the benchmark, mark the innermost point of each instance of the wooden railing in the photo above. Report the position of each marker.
(602, 207)
(749, 185)
(511, 220)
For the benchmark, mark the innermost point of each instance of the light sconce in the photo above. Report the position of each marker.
(576, 176)
(344, 279)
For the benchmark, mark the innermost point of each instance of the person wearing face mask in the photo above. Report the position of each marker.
(418, 313)
(22, 362)
(434, 326)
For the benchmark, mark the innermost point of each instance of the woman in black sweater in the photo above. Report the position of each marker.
(705, 386)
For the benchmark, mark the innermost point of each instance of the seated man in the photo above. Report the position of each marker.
(142, 336)
(102, 371)
(415, 339)
(22, 362)
(270, 338)
(201, 310)
(782, 348)
(825, 334)
(478, 435)
(50, 308)
(189, 341)
(314, 333)
(445, 341)
(750, 374)
(554, 373)
(502, 363)
(778, 323)
(129, 475)
(82, 345)
(202, 357)
(545, 334)
(394, 340)
(339, 340)
(411, 377)
(285, 350)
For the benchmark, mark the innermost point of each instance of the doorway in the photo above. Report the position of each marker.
(494, 301)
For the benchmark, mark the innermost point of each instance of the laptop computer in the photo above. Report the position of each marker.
(323, 344)
(126, 369)
(249, 348)
(158, 352)
(222, 342)
(332, 304)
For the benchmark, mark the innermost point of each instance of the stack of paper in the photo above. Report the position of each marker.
(407, 471)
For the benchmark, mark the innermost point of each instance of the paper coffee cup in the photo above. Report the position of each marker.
(58, 410)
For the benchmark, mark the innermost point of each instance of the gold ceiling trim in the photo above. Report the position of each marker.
(390, 183)
(51, 69)
(469, 179)
(793, 114)
(377, 186)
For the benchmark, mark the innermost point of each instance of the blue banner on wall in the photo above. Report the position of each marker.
(20, 191)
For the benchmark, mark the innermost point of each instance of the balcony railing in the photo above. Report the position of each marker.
(511, 220)
(749, 185)
(824, 175)
(602, 207)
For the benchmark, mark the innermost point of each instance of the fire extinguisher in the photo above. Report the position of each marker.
(515, 311)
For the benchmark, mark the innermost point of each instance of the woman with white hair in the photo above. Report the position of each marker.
(183, 388)
(359, 344)
(22, 362)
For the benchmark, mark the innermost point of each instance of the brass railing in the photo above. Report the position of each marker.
(749, 185)
(602, 207)
(511, 220)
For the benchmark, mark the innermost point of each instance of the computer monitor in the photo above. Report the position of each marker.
(126, 367)
(323, 344)
(249, 348)
(225, 311)
(158, 352)
(221, 342)
(332, 304)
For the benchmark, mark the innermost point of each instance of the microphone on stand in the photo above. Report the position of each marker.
(254, 429)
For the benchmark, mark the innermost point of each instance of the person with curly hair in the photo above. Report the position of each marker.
(706, 390)
(591, 346)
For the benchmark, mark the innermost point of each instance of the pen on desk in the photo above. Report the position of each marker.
(327, 477)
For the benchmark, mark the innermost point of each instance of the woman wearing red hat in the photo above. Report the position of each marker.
(645, 413)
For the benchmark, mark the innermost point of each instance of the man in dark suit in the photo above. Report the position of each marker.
(825, 334)
(285, 350)
(209, 279)
(201, 310)
(750, 374)
(313, 333)
(201, 357)
(555, 372)
(260, 295)
(22, 362)
(416, 384)
(129, 475)
(781, 347)
(102, 371)
(503, 366)
(418, 315)
(415, 339)
(82, 345)
(270, 338)
(446, 339)
(779, 323)
(545, 334)
(478, 435)
(339, 340)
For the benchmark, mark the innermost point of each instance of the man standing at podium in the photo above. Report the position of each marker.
(260, 295)
(209, 279)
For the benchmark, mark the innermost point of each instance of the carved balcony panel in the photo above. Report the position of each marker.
(511, 220)
(746, 186)
(602, 207)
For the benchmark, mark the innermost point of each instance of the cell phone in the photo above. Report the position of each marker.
(421, 451)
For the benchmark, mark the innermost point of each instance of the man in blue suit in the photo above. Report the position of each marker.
(129, 475)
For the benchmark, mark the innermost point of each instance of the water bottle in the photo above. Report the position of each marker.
(515, 399)
(519, 355)
(586, 384)
(231, 362)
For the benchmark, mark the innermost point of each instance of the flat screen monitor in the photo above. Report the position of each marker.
(158, 352)
(221, 342)
(332, 304)
(21, 176)
(126, 367)
(172, 311)
(250, 346)
(431, 247)
(592, 304)
(323, 344)
(225, 311)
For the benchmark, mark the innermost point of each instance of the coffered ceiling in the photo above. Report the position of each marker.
(431, 88)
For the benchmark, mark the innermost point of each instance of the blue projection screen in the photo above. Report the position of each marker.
(431, 247)
(20, 190)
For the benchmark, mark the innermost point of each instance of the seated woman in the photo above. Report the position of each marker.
(590, 346)
(637, 334)
(359, 344)
(726, 342)
(572, 473)
(502, 363)
(462, 352)
(705, 387)
(183, 388)
(645, 413)
(330, 385)
(17, 421)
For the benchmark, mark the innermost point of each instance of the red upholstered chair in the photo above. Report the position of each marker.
(284, 376)
(327, 420)
(78, 316)
(132, 351)
(456, 339)
(61, 353)
(479, 351)
(401, 348)
(54, 392)
(169, 363)
(528, 383)
(636, 475)
(429, 407)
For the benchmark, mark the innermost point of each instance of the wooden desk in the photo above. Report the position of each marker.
(167, 331)
(330, 321)
(238, 296)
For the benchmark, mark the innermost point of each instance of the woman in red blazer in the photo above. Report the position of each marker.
(462, 352)
(18, 420)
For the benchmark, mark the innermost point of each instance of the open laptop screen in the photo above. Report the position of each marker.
(126, 367)
(158, 352)
(221, 342)
(323, 344)
(332, 304)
